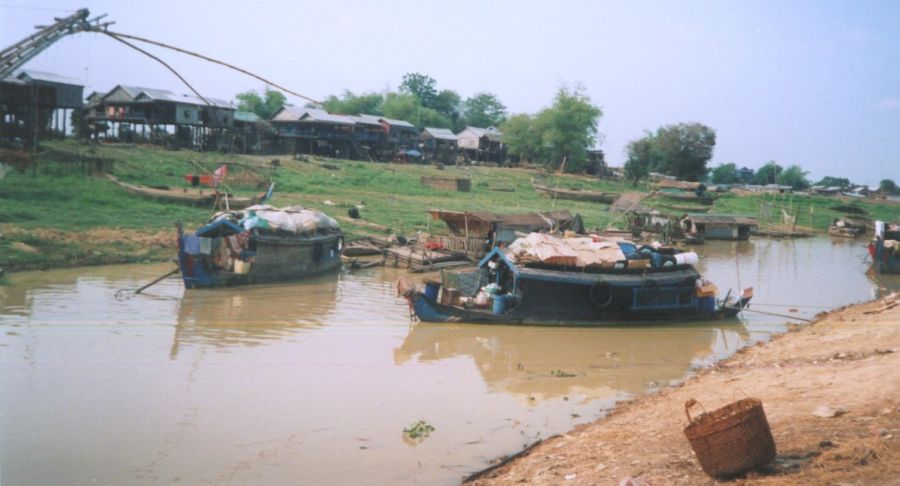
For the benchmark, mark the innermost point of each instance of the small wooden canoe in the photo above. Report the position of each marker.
(189, 195)
(575, 194)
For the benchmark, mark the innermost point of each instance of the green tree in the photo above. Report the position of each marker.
(888, 186)
(484, 110)
(642, 155)
(793, 176)
(264, 106)
(449, 103)
(422, 86)
(724, 174)
(567, 129)
(829, 181)
(406, 107)
(686, 148)
(520, 138)
(767, 174)
(352, 104)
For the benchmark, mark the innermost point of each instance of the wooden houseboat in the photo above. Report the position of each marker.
(719, 226)
(260, 244)
(595, 282)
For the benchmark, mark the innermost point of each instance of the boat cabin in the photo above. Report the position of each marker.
(719, 226)
(477, 232)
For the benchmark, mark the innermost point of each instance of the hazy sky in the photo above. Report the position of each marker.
(809, 83)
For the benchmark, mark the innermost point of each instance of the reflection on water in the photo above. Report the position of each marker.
(252, 315)
(314, 381)
(546, 363)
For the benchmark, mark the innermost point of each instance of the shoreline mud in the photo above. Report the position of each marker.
(830, 389)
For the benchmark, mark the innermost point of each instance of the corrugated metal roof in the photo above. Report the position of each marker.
(441, 133)
(490, 132)
(246, 116)
(367, 119)
(289, 113)
(42, 76)
(397, 123)
(322, 116)
(727, 219)
(163, 95)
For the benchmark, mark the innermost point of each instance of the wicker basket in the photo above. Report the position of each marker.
(732, 439)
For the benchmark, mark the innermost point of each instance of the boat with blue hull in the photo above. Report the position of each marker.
(261, 244)
(530, 294)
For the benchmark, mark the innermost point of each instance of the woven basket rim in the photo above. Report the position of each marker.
(725, 417)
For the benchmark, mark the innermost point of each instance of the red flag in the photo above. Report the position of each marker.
(219, 175)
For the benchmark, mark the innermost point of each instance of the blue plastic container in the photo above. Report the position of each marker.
(499, 304)
(431, 290)
(707, 304)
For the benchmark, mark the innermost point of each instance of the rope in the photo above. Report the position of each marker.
(777, 315)
(170, 68)
(118, 36)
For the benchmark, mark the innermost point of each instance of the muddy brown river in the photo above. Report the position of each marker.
(314, 382)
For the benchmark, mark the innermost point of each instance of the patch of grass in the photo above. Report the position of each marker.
(391, 195)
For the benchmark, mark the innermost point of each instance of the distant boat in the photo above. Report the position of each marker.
(690, 196)
(575, 194)
(885, 248)
(261, 244)
(848, 227)
(192, 195)
(645, 286)
(719, 226)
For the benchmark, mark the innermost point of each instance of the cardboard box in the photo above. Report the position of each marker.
(708, 290)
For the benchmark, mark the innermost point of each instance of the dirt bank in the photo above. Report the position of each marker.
(849, 360)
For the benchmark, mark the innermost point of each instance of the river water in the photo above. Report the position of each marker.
(314, 382)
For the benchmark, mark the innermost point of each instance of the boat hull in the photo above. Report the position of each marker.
(192, 195)
(886, 260)
(429, 310)
(277, 258)
(574, 195)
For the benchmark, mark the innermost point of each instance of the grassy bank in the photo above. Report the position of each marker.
(52, 215)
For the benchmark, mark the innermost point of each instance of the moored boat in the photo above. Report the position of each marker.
(598, 282)
(260, 244)
(885, 248)
(192, 195)
(848, 227)
(575, 194)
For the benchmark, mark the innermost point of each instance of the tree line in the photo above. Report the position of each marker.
(557, 137)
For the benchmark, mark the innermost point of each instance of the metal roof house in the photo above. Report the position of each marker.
(314, 131)
(36, 103)
(482, 144)
(179, 120)
(439, 144)
(362, 136)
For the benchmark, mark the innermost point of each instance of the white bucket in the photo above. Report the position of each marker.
(688, 258)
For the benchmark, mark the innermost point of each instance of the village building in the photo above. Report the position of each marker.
(481, 145)
(251, 134)
(132, 113)
(361, 137)
(439, 144)
(36, 104)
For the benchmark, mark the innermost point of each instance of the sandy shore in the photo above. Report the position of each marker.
(848, 360)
